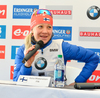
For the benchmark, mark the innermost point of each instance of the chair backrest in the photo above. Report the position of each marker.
(71, 74)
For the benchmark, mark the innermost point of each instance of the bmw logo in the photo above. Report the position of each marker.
(93, 12)
(41, 63)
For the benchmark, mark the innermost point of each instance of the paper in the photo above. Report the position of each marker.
(39, 81)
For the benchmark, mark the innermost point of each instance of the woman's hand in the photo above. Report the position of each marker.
(29, 62)
(72, 84)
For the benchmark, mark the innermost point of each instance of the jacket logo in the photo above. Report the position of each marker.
(40, 63)
(53, 50)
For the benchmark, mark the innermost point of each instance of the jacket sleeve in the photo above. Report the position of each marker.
(19, 68)
(73, 52)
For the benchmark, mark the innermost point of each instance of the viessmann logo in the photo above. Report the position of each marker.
(2, 51)
(3, 11)
(93, 12)
(23, 11)
(61, 32)
(20, 32)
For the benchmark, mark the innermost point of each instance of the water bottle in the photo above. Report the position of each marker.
(59, 72)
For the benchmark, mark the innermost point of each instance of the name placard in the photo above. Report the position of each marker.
(39, 81)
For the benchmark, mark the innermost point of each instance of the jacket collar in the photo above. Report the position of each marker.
(45, 45)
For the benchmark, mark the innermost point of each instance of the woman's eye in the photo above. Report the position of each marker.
(49, 27)
(40, 26)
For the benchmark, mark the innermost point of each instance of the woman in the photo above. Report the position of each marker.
(42, 62)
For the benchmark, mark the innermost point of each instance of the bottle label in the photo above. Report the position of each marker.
(59, 75)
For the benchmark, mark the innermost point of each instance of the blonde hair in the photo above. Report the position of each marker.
(28, 41)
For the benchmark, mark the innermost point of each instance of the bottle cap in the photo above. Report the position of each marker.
(59, 56)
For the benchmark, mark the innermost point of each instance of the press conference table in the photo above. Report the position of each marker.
(18, 91)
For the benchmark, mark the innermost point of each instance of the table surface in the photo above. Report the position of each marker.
(18, 91)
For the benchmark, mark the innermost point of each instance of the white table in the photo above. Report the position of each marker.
(16, 91)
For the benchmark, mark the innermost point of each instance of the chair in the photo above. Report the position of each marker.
(71, 74)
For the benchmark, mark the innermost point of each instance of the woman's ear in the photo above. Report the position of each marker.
(32, 34)
(52, 34)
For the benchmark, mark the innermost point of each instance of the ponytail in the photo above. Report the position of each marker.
(28, 41)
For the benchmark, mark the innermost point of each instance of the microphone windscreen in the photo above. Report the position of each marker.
(41, 43)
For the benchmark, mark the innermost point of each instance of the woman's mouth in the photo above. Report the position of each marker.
(43, 36)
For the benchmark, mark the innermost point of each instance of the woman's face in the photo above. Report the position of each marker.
(42, 32)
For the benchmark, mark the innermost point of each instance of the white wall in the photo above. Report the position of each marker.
(79, 19)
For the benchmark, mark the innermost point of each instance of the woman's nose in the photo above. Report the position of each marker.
(45, 30)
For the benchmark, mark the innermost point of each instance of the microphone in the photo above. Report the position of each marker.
(87, 85)
(38, 45)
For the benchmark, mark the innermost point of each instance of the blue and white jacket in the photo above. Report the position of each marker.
(44, 61)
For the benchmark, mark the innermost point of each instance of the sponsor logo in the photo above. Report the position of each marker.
(14, 51)
(89, 34)
(23, 11)
(68, 31)
(3, 11)
(2, 52)
(95, 77)
(41, 63)
(60, 12)
(11, 72)
(2, 31)
(93, 12)
(53, 50)
(61, 32)
(20, 32)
